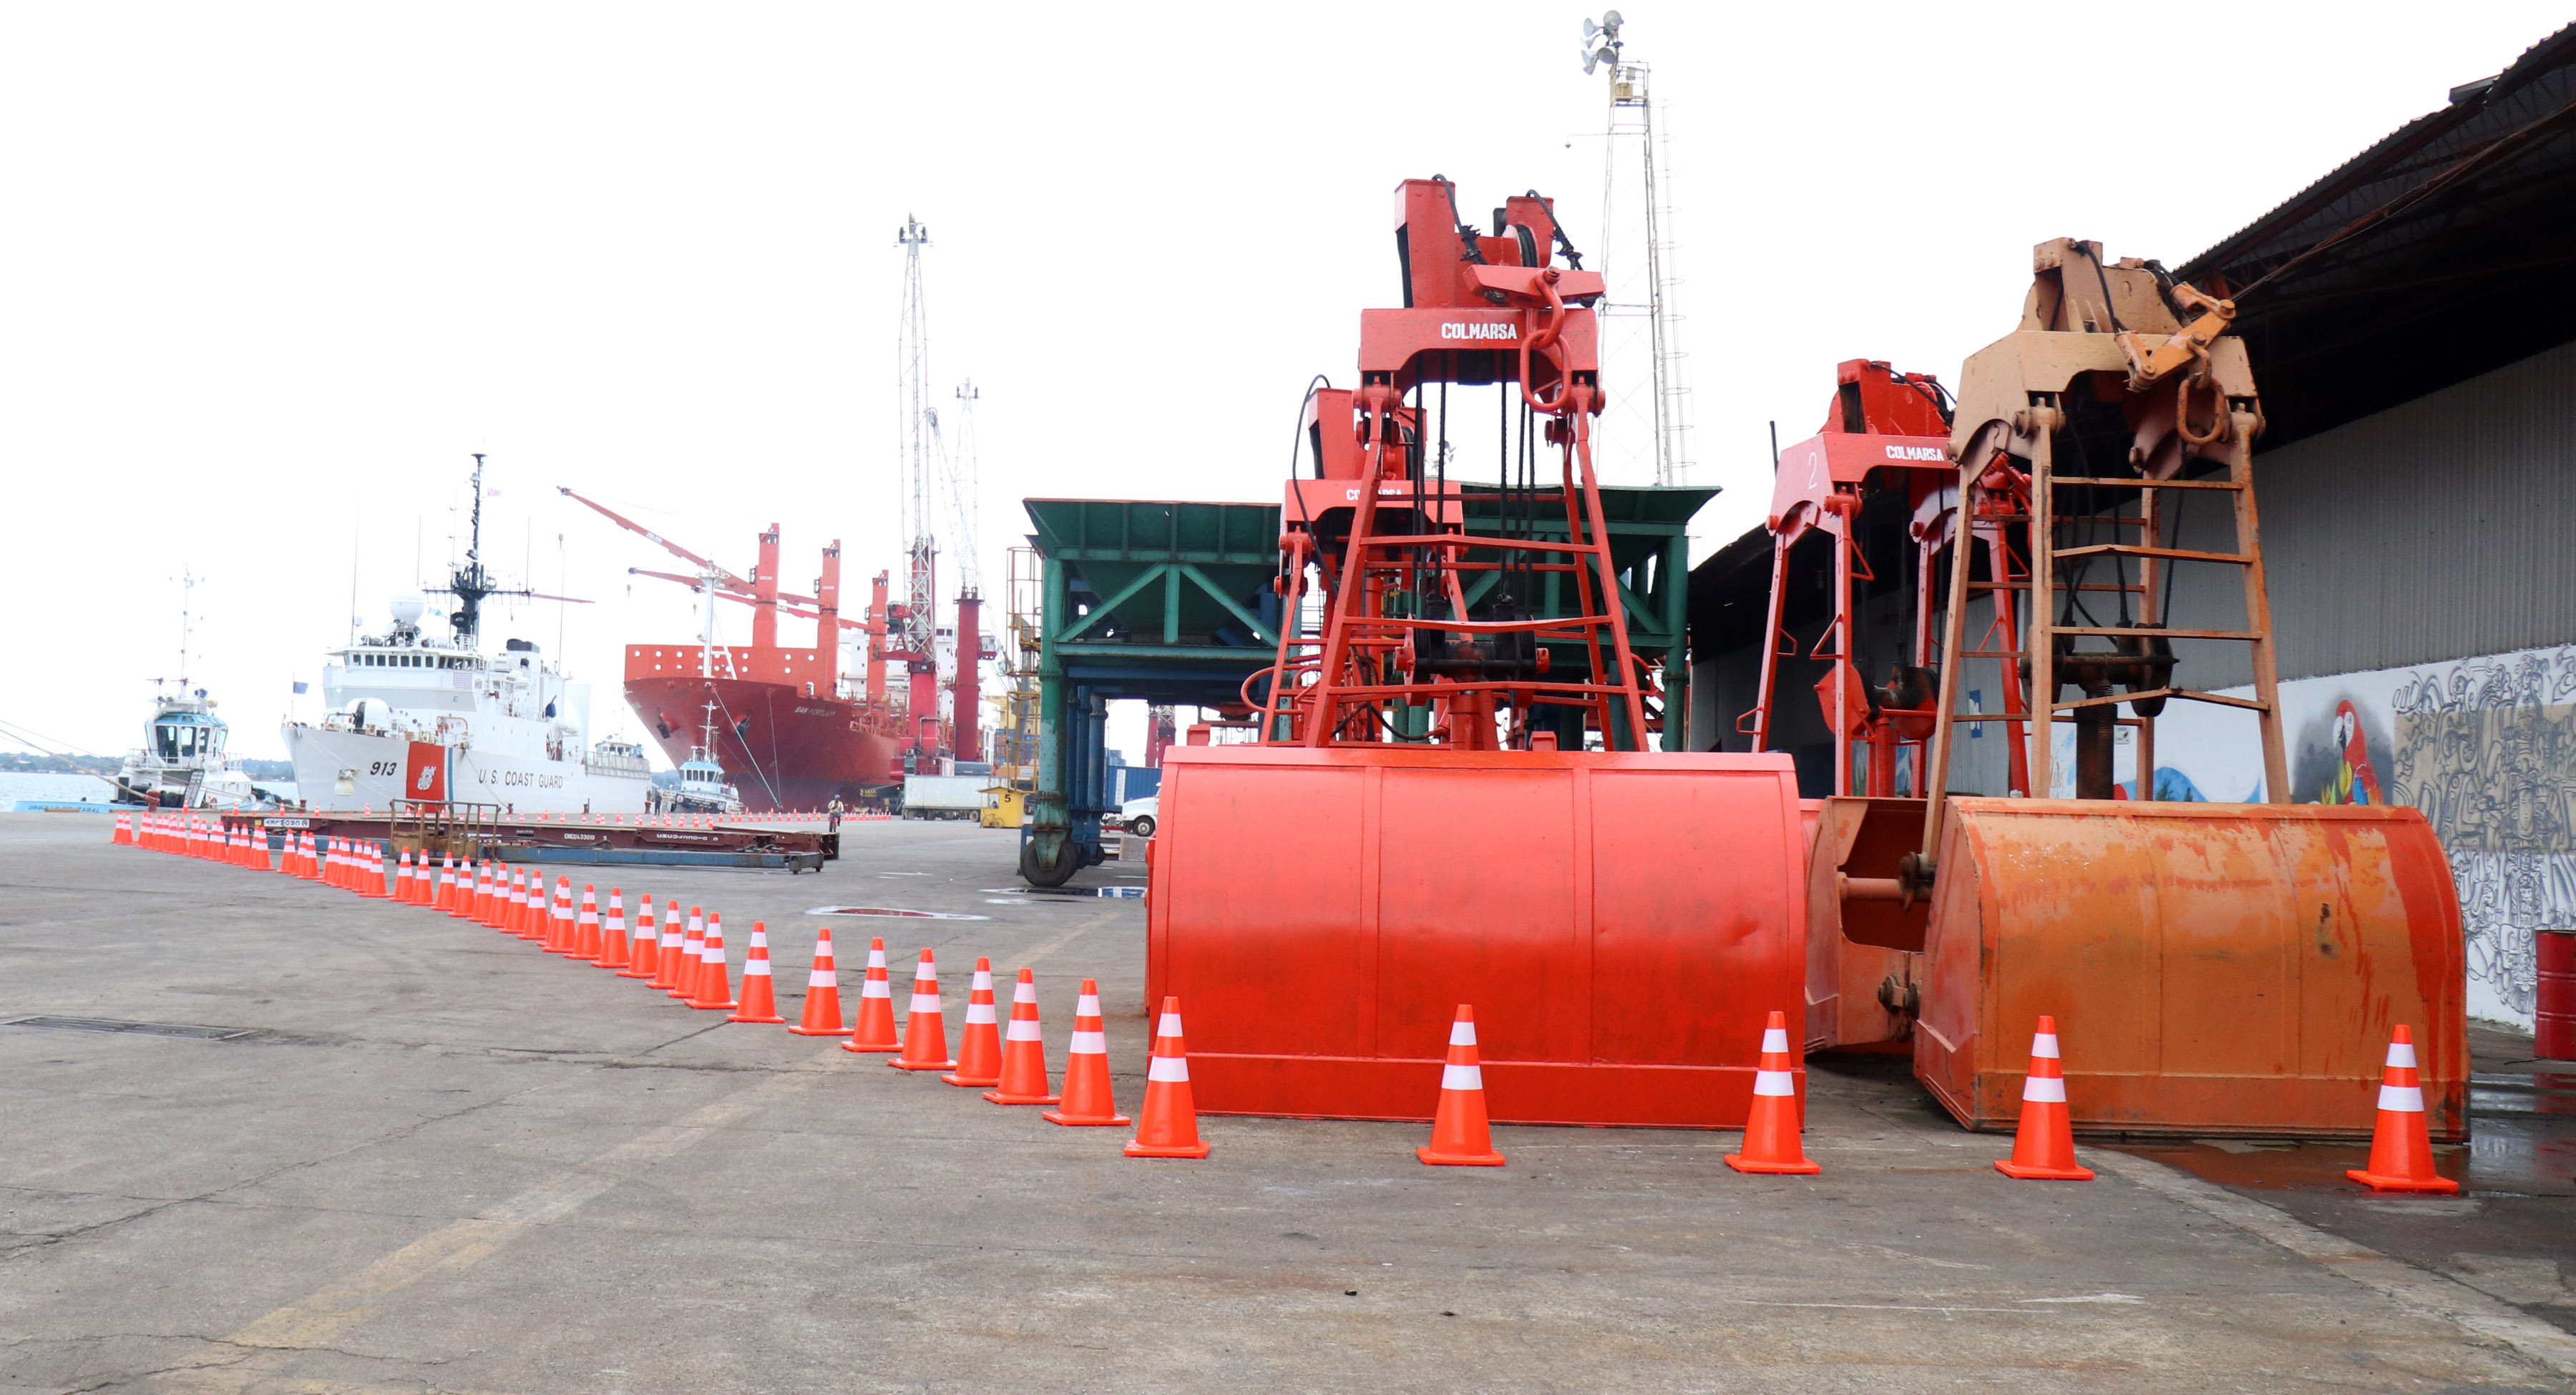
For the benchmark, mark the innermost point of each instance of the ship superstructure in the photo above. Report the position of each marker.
(418, 717)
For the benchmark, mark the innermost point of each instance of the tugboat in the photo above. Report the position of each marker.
(702, 788)
(182, 764)
(420, 718)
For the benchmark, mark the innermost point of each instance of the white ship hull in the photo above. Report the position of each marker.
(376, 767)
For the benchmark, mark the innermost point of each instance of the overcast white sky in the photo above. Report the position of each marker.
(271, 272)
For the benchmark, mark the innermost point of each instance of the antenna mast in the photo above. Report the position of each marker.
(962, 485)
(1632, 115)
(920, 424)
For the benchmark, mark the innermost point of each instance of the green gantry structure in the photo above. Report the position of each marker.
(1170, 601)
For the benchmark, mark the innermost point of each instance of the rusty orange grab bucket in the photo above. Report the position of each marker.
(1624, 922)
(2230, 968)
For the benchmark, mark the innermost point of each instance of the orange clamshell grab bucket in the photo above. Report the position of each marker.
(1024, 1068)
(1168, 1125)
(925, 1035)
(1460, 1135)
(979, 1047)
(1771, 1143)
(822, 1015)
(875, 1028)
(2044, 1140)
(1089, 1101)
(1623, 975)
(2401, 1151)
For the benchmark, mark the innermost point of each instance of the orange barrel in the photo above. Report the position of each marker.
(2213, 968)
(1624, 923)
(2554, 1013)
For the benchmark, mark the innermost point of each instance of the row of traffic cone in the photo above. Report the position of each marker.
(687, 961)
(190, 836)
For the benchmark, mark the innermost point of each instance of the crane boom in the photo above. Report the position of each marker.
(723, 577)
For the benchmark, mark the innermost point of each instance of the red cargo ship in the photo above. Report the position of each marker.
(786, 734)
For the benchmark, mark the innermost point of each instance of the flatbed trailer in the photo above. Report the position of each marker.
(470, 836)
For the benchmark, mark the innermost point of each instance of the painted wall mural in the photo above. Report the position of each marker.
(2485, 746)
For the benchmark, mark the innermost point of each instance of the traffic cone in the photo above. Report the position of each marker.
(402, 877)
(822, 1017)
(875, 1029)
(693, 954)
(1170, 1125)
(123, 836)
(673, 949)
(759, 996)
(509, 899)
(585, 935)
(612, 934)
(644, 953)
(562, 932)
(1088, 1099)
(925, 1035)
(1460, 1136)
(371, 869)
(473, 880)
(2044, 1143)
(1024, 1071)
(979, 1047)
(1771, 1129)
(715, 978)
(447, 894)
(2401, 1149)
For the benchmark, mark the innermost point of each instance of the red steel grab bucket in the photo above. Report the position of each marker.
(1624, 923)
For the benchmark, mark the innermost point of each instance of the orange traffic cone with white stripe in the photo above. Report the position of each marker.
(585, 937)
(822, 1016)
(1088, 1099)
(1169, 1126)
(715, 978)
(2044, 1142)
(674, 950)
(514, 910)
(2401, 1148)
(370, 869)
(759, 996)
(875, 1029)
(561, 931)
(693, 956)
(612, 933)
(925, 1034)
(1024, 1071)
(532, 908)
(445, 900)
(405, 885)
(1460, 1136)
(979, 1047)
(1771, 1127)
(644, 952)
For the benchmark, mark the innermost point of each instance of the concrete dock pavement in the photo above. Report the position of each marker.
(436, 1159)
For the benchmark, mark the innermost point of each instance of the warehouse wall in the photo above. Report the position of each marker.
(2442, 528)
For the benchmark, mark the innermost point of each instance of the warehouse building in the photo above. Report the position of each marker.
(2415, 346)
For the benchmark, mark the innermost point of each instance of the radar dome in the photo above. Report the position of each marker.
(408, 607)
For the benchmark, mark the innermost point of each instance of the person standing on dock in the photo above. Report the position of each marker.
(834, 809)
